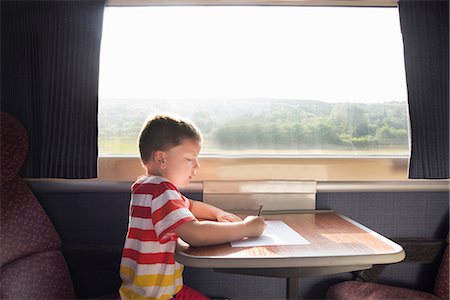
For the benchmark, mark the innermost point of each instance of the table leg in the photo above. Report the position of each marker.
(291, 288)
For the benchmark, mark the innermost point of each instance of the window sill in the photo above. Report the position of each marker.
(272, 168)
(332, 174)
(86, 186)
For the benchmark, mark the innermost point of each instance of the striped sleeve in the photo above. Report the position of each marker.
(169, 210)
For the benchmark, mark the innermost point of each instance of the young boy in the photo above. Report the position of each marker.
(159, 214)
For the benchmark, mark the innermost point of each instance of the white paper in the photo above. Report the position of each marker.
(277, 233)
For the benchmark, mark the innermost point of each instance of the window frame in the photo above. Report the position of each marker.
(355, 3)
(319, 168)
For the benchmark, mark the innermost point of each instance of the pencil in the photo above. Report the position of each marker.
(260, 210)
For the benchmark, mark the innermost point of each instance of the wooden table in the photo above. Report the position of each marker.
(337, 244)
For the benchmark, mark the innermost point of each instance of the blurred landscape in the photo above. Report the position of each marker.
(264, 126)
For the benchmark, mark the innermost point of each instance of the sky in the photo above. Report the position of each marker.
(317, 53)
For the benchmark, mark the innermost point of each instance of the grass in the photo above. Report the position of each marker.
(129, 147)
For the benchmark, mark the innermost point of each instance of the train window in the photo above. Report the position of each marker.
(257, 80)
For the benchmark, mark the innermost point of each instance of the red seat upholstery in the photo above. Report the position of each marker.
(32, 266)
(441, 287)
(357, 290)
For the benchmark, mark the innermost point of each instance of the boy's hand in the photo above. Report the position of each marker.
(255, 225)
(224, 216)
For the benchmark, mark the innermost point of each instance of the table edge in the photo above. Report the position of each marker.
(395, 256)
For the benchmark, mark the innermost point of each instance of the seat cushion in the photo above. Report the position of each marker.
(24, 225)
(441, 287)
(39, 276)
(356, 290)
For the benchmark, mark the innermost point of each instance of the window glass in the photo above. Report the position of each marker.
(257, 80)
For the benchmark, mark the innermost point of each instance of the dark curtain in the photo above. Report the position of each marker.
(425, 32)
(49, 81)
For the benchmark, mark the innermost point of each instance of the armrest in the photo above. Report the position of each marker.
(423, 251)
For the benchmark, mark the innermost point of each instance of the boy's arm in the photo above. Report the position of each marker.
(208, 212)
(204, 233)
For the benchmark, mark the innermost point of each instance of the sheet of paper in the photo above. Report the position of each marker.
(277, 233)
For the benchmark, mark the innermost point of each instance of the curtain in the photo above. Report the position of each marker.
(425, 29)
(50, 65)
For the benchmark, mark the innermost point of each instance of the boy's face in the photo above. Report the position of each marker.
(180, 162)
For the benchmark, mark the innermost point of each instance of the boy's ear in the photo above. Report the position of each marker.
(159, 159)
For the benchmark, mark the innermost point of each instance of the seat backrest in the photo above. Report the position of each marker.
(441, 287)
(32, 266)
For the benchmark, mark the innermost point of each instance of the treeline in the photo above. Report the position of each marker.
(273, 124)
(313, 124)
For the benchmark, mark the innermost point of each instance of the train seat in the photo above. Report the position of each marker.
(32, 266)
(357, 290)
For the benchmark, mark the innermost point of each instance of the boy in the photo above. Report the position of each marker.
(159, 214)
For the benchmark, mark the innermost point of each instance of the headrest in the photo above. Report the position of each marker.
(14, 146)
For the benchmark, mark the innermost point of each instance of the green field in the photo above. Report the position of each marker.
(129, 148)
(266, 127)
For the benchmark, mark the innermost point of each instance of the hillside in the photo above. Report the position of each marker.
(275, 125)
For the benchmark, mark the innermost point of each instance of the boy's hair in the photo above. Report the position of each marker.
(164, 132)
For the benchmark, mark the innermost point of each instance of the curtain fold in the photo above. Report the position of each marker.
(425, 29)
(50, 66)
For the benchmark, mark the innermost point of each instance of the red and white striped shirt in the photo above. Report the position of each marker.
(148, 268)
